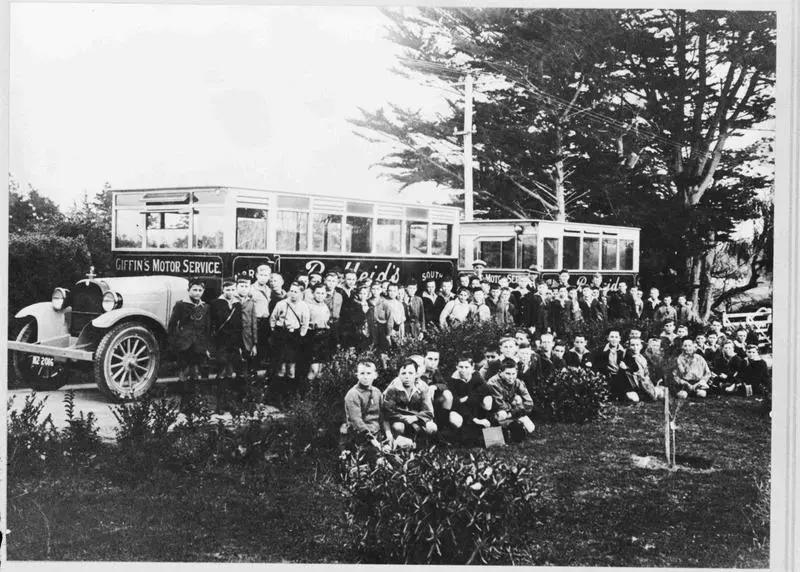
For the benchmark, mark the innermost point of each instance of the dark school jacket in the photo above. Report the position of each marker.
(190, 327)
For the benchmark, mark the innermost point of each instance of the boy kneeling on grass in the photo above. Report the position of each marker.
(465, 406)
(512, 402)
(363, 407)
(407, 404)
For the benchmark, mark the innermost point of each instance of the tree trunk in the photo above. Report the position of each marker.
(558, 176)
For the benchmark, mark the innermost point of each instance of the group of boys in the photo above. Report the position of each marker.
(260, 325)
(423, 401)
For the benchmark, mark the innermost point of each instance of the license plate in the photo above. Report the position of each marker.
(44, 361)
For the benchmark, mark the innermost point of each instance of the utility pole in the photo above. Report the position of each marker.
(467, 133)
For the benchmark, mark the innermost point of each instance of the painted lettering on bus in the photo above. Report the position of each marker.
(390, 272)
(200, 267)
(432, 275)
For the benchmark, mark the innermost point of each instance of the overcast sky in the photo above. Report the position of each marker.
(181, 95)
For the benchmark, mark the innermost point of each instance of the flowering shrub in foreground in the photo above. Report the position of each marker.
(434, 506)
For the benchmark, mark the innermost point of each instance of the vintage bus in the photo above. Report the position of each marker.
(510, 247)
(216, 232)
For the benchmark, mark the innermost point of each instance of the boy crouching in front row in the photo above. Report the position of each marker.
(189, 331)
(465, 405)
(407, 404)
(512, 402)
(363, 406)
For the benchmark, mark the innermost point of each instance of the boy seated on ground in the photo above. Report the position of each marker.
(488, 356)
(467, 403)
(668, 337)
(712, 348)
(407, 405)
(725, 369)
(611, 362)
(578, 355)
(559, 350)
(508, 349)
(740, 342)
(655, 359)
(753, 375)
(511, 400)
(638, 372)
(431, 375)
(691, 374)
(547, 362)
(363, 405)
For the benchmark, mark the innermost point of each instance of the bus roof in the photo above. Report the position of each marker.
(292, 193)
(530, 220)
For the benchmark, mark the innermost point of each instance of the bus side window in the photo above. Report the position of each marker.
(626, 254)
(551, 255)
(528, 251)
(128, 229)
(609, 253)
(591, 253)
(416, 237)
(441, 239)
(358, 234)
(168, 229)
(208, 225)
(292, 224)
(572, 246)
(251, 228)
(326, 233)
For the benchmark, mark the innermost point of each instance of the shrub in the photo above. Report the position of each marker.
(30, 438)
(439, 507)
(38, 262)
(574, 395)
(144, 420)
(80, 438)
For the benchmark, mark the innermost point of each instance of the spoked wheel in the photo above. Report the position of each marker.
(126, 362)
(40, 373)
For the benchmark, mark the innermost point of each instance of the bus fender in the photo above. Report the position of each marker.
(109, 319)
(50, 323)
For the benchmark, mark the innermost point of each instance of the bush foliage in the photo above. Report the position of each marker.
(35, 444)
(573, 395)
(38, 262)
(439, 507)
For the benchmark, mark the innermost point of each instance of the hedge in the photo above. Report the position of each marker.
(38, 262)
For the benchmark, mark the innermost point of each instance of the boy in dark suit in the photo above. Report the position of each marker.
(189, 331)
(226, 324)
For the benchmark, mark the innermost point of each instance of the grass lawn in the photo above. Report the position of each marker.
(600, 508)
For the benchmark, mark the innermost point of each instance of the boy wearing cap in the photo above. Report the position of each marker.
(477, 267)
(249, 323)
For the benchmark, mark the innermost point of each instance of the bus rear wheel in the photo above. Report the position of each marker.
(37, 376)
(126, 362)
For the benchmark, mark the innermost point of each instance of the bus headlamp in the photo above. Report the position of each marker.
(111, 301)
